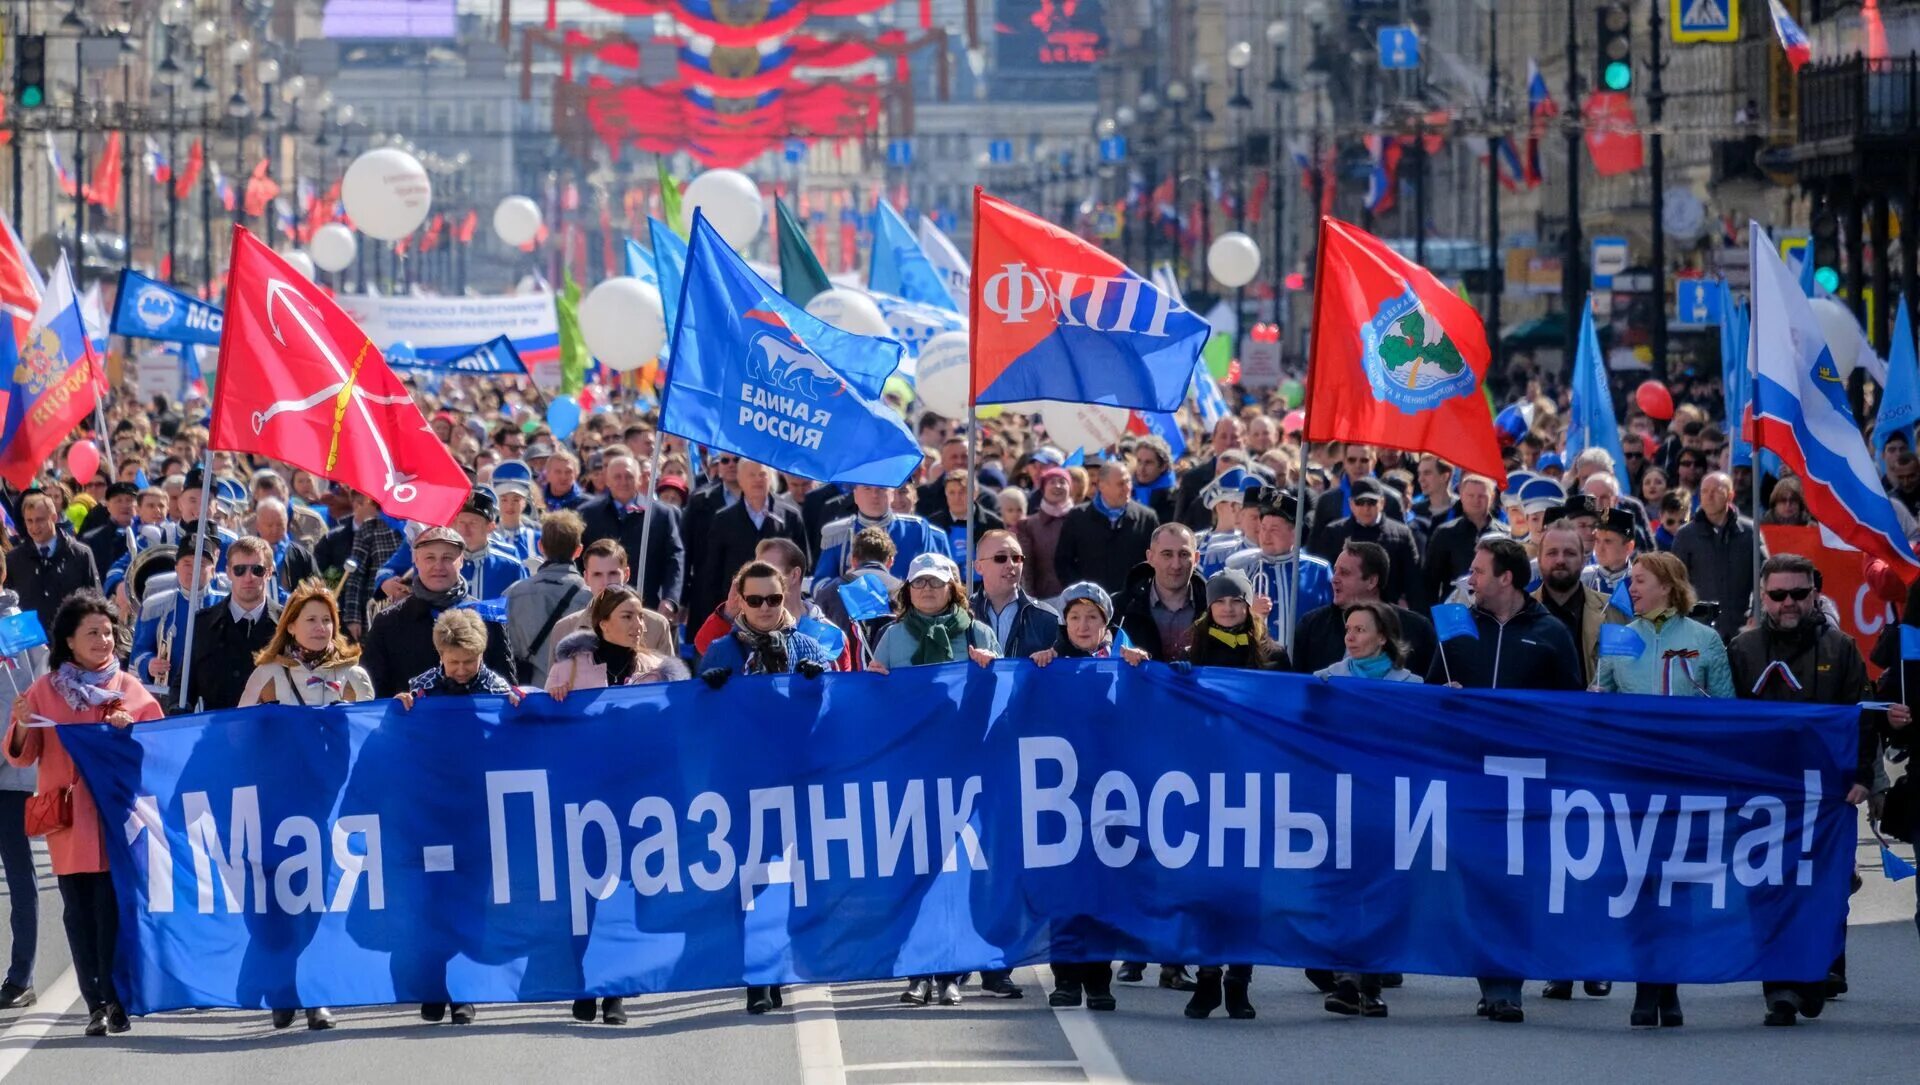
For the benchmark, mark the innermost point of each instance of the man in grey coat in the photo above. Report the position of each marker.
(536, 605)
(1718, 546)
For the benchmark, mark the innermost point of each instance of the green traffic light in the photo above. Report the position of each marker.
(1618, 75)
(1827, 278)
(31, 97)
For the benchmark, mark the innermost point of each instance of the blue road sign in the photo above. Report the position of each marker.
(1000, 151)
(1399, 48)
(1609, 259)
(1113, 149)
(899, 152)
(796, 150)
(1697, 302)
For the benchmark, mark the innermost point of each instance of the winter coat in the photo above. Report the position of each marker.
(82, 847)
(287, 681)
(574, 667)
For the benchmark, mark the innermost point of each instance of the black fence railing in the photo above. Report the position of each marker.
(1857, 97)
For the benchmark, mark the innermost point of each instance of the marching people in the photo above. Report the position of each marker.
(609, 652)
(1359, 571)
(1297, 582)
(228, 633)
(1796, 655)
(911, 535)
(603, 565)
(48, 565)
(1099, 538)
(160, 636)
(400, 645)
(932, 622)
(1039, 532)
(1718, 546)
(1366, 522)
(1582, 610)
(537, 605)
(84, 684)
(17, 784)
(1021, 624)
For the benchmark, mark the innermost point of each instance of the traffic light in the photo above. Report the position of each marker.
(30, 71)
(1615, 44)
(1825, 248)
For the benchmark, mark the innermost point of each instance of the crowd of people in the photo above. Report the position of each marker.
(183, 580)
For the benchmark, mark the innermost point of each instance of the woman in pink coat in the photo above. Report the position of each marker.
(84, 684)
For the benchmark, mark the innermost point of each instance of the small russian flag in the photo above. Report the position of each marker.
(158, 167)
(1792, 39)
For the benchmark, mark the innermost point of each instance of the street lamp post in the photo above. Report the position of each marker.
(1239, 55)
(1149, 105)
(1277, 35)
(1203, 119)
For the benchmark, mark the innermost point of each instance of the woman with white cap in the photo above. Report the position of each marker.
(932, 622)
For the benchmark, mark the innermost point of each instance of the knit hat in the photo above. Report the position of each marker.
(1092, 593)
(1228, 584)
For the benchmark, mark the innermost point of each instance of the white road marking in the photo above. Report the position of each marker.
(816, 1035)
(1089, 1045)
(33, 1025)
(963, 1064)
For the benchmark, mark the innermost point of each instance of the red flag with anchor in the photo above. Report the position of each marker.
(305, 385)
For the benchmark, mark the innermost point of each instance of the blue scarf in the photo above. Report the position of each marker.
(1112, 514)
(1374, 666)
(1143, 491)
(83, 689)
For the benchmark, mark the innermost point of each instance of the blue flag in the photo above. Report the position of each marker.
(1621, 640)
(1895, 868)
(669, 268)
(827, 633)
(150, 309)
(1900, 406)
(1621, 599)
(1590, 419)
(1736, 381)
(1909, 642)
(496, 356)
(899, 266)
(1163, 425)
(1451, 621)
(865, 598)
(639, 265)
(19, 632)
(755, 375)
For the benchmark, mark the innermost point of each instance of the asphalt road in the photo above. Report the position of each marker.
(861, 1034)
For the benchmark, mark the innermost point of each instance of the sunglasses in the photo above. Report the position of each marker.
(1781, 595)
(725, 461)
(755, 602)
(928, 583)
(1003, 558)
(247, 570)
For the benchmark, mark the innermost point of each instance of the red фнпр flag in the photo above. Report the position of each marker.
(304, 384)
(1397, 358)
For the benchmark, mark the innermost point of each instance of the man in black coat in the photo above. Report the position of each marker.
(1369, 524)
(1164, 595)
(1187, 505)
(1360, 572)
(621, 514)
(1103, 539)
(1335, 504)
(47, 565)
(1153, 482)
(399, 644)
(719, 492)
(734, 534)
(228, 633)
(333, 549)
(108, 541)
(292, 562)
(1450, 547)
(828, 502)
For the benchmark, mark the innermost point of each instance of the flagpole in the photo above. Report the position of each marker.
(199, 565)
(1306, 434)
(653, 509)
(973, 321)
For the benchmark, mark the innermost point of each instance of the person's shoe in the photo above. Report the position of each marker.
(1344, 999)
(117, 1021)
(1393, 979)
(949, 992)
(1670, 1016)
(1174, 977)
(1644, 1018)
(1372, 1006)
(918, 992)
(462, 1013)
(1836, 985)
(1000, 985)
(614, 1012)
(1482, 1008)
(777, 994)
(1063, 998)
(1207, 994)
(1780, 1013)
(1102, 1000)
(582, 1010)
(1560, 989)
(758, 1001)
(1598, 988)
(1131, 972)
(320, 1019)
(1506, 1013)
(15, 997)
(1239, 1006)
(1321, 978)
(432, 1011)
(282, 1018)
(97, 1022)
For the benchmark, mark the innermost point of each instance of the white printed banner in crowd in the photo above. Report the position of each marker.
(444, 328)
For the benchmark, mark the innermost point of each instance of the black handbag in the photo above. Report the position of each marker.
(1898, 812)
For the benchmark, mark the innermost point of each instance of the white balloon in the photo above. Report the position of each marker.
(850, 311)
(517, 220)
(731, 202)
(1842, 333)
(623, 323)
(1234, 259)
(333, 247)
(1087, 426)
(387, 193)
(940, 379)
(299, 261)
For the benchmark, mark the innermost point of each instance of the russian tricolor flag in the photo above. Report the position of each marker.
(158, 167)
(1792, 39)
(1540, 106)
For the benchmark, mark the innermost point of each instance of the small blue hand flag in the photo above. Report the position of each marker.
(865, 598)
(1620, 640)
(1451, 621)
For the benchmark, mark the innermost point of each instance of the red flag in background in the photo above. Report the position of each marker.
(196, 160)
(319, 395)
(465, 232)
(261, 190)
(1397, 359)
(105, 189)
(20, 283)
(1613, 135)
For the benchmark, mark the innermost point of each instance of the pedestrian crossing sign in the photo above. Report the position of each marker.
(1704, 20)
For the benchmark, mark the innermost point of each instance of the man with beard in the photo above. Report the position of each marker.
(1795, 655)
(1580, 608)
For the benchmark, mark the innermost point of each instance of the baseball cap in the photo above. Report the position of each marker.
(1049, 455)
(440, 535)
(933, 565)
(1365, 489)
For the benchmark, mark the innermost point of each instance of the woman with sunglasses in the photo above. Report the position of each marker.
(762, 641)
(1662, 653)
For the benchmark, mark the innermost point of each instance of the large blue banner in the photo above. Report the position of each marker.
(781, 830)
(146, 308)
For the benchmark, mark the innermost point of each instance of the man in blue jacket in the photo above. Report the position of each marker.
(1021, 624)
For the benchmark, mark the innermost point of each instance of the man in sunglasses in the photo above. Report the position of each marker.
(1021, 624)
(228, 632)
(1718, 547)
(1337, 502)
(1796, 655)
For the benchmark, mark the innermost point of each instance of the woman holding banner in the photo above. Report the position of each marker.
(609, 652)
(1661, 653)
(84, 685)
